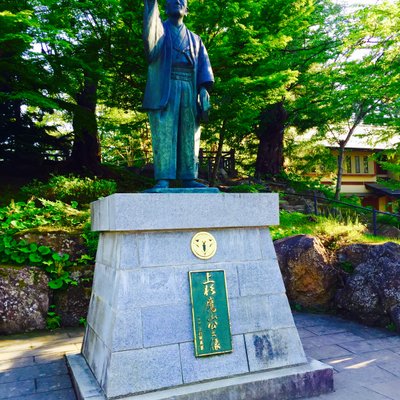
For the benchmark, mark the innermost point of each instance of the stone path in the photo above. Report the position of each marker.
(366, 360)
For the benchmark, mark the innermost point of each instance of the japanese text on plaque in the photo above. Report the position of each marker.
(210, 312)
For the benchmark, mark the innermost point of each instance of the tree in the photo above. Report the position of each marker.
(360, 84)
(77, 56)
(20, 79)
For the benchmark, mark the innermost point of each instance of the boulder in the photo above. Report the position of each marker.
(309, 278)
(72, 303)
(61, 242)
(371, 294)
(24, 299)
(356, 254)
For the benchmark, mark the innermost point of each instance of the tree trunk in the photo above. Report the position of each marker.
(86, 147)
(270, 132)
(218, 156)
(339, 170)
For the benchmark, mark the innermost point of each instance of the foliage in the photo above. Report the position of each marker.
(332, 232)
(292, 224)
(359, 84)
(71, 189)
(53, 320)
(346, 266)
(389, 220)
(390, 183)
(305, 184)
(304, 157)
(20, 217)
(125, 137)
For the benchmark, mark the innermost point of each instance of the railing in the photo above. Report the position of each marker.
(227, 161)
(323, 206)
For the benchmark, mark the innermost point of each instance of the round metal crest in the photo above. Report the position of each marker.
(203, 245)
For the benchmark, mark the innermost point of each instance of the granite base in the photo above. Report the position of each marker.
(296, 382)
(139, 335)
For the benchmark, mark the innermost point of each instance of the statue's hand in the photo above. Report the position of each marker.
(204, 100)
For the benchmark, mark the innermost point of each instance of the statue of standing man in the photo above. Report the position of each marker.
(179, 79)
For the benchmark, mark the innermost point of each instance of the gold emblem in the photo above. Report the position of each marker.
(203, 245)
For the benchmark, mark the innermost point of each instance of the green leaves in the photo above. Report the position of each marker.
(22, 216)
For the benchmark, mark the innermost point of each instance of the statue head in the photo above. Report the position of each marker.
(176, 8)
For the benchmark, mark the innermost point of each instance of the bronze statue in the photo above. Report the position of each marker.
(176, 95)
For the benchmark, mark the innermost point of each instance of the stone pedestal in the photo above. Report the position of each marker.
(139, 338)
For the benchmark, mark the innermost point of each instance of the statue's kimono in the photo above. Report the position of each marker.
(178, 67)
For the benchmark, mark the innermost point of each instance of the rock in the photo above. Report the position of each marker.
(61, 242)
(24, 299)
(72, 303)
(356, 254)
(372, 293)
(309, 278)
(389, 231)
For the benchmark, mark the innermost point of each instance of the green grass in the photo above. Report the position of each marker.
(332, 232)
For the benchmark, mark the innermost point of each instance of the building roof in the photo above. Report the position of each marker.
(383, 190)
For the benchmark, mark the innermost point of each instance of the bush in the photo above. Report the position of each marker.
(21, 217)
(303, 184)
(70, 189)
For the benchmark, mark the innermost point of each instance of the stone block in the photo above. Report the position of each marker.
(182, 279)
(267, 245)
(127, 332)
(195, 369)
(11, 390)
(388, 390)
(321, 353)
(143, 370)
(301, 381)
(167, 324)
(135, 212)
(53, 383)
(105, 279)
(260, 278)
(282, 316)
(101, 319)
(145, 287)
(110, 249)
(120, 330)
(85, 383)
(97, 355)
(274, 349)
(344, 339)
(161, 249)
(255, 313)
(99, 215)
(129, 253)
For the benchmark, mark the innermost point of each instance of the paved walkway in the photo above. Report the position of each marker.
(366, 360)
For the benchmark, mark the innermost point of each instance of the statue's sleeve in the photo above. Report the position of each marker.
(205, 76)
(153, 30)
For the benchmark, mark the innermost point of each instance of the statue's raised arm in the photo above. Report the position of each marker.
(153, 29)
(176, 96)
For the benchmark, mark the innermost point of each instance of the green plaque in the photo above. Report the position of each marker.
(210, 313)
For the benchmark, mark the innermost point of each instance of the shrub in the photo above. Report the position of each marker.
(303, 184)
(19, 217)
(70, 188)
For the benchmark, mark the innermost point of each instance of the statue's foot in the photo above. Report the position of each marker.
(161, 184)
(191, 183)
